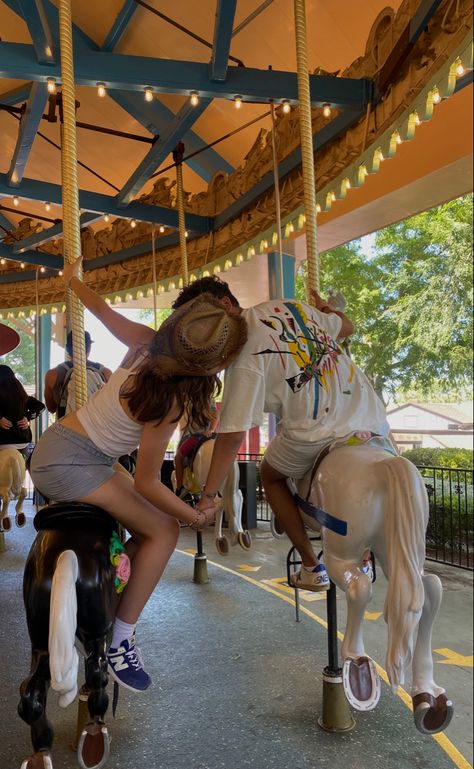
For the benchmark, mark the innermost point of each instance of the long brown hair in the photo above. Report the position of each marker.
(151, 395)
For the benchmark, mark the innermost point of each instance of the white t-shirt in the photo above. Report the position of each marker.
(292, 366)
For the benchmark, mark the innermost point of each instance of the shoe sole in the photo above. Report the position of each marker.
(115, 677)
(312, 588)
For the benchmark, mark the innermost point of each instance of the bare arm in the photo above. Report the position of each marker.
(223, 456)
(155, 439)
(126, 331)
(347, 327)
(49, 385)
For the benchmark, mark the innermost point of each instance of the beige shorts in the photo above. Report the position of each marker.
(293, 458)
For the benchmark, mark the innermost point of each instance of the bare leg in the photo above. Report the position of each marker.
(156, 538)
(283, 505)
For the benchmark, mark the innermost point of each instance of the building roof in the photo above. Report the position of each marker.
(460, 413)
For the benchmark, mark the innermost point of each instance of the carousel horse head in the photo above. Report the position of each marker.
(383, 501)
(74, 570)
(194, 477)
(12, 486)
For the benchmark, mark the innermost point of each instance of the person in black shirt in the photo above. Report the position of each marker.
(17, 409)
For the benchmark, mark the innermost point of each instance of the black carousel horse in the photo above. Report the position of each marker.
(70, 595)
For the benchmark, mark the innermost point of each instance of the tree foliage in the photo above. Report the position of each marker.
(22, 360)
(411, 301)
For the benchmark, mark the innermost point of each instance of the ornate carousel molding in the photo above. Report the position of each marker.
(428, 74)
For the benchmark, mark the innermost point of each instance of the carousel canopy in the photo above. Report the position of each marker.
(392, 131)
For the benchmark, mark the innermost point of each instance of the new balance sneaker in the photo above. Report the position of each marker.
(315, 580)
(126, 666)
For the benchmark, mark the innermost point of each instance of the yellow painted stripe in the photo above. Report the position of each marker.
(451, 750)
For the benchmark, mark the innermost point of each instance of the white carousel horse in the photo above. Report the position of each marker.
(12, 486)
(232, 501)
(383, 500)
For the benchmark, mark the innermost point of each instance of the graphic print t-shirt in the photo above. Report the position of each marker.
(292, 366)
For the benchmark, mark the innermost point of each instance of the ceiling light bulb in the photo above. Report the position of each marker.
(133, 224)
(106, 218)
(42, 269)
(238, 102)
(101, 89)
(186, 234)
(60, 273)
(162, 229)
(22, 265)
(327, 110)
(3, 261)
(47, 206)
(16, 201)
(460, 69)
(286, 106)
(436, 96)
(194, 98)
(148, 94)
(51, 85)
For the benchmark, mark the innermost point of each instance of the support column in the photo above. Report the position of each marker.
(43, 364)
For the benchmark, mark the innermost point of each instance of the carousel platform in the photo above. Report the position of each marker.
(237, 681)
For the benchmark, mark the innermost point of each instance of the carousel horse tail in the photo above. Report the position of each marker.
(406, 520)
(17, 474)
(63, 657)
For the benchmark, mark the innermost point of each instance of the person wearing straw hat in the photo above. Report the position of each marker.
(293, 367)
(165, 374)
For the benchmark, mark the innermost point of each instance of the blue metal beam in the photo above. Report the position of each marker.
(155, 117)
(134, 73)
(423, 14)
(16, 96)
(225, 13)
(120, 24)
(38, 27)
(174, 133)
(6, 224)
(28, 127)
(41, 258)
(32, 189)
(39, 238)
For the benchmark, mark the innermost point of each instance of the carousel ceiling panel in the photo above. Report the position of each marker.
(229, 185)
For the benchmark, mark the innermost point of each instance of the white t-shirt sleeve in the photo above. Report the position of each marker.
(331, 323)
(243, 400)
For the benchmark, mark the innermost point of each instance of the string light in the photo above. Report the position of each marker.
(148, 94)
(47, 206)
(60, 273)
(460, 70)
(3, 261)
(286, 107)
(186, 234)
(106, 218)
(327, 110)
(101, 90)
(16, 200)
(133, 224)
(194, 98)
(42, 269)
(51, 85)
(162, 229)
(22, 265)
(238, 102)
(436, 96)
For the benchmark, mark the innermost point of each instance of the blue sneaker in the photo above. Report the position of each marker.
(126, 666)
(315, 580)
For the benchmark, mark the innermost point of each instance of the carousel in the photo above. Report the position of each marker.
(165, 143)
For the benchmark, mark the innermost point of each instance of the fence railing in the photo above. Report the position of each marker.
(450, 533)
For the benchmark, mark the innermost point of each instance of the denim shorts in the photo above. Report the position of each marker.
(66, 466)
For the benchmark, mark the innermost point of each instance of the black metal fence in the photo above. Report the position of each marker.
(450, 534)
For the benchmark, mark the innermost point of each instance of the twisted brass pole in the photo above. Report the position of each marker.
(178, 154)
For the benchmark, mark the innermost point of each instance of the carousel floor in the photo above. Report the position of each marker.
(237, 682)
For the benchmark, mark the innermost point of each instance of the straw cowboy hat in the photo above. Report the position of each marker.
(200, 338)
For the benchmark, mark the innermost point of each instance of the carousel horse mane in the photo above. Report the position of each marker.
(69, 594)
(383, 500)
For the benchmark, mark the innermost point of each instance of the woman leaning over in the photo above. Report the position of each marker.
(164, 375)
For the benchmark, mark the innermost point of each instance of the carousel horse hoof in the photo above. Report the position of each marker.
(222, 545)
(6, 523)
(94, 745)
(432, 714)
(361, 683)
(41, 760)
(244, 539)
(20, 519)
(276, 529)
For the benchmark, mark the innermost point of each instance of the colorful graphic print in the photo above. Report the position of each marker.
(308, 344)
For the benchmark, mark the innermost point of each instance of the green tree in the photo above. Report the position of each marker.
(22, 360)
(411, 302)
